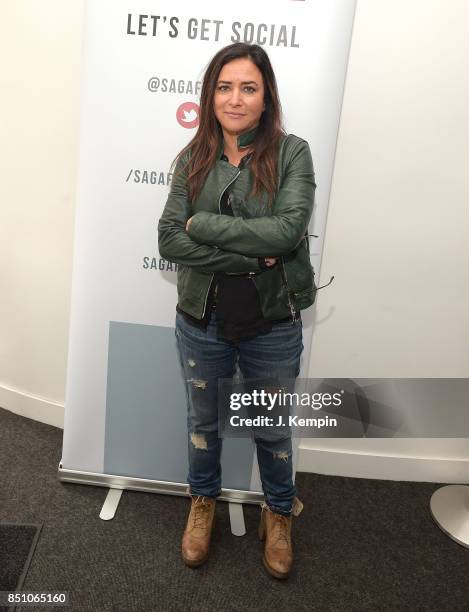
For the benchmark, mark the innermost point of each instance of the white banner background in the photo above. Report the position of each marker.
(125, 407)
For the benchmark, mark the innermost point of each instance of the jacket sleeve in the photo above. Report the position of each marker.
(175, 245)
(266, 236)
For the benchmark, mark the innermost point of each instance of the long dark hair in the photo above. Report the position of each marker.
(205, 144)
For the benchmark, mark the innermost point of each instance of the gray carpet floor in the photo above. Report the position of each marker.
(359, 544)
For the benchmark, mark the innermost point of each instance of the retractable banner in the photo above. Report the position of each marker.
(143, 63)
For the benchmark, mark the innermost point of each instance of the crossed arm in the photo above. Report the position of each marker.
(275, 235)
(176, 245)
(216, 242)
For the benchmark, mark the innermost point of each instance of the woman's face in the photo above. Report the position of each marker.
(239, 96)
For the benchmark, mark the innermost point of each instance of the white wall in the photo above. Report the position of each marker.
(395, 234)
(40, 50)
(397, 228)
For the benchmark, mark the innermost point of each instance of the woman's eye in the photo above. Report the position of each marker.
(247, 88)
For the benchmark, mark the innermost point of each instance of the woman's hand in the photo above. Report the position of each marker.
(188, 223)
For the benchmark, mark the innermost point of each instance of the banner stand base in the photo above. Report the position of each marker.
(238, 528)
(450, 510)
(108, 511)
(110, 504)
(116, 485)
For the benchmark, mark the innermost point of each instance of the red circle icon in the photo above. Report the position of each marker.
(188, 114)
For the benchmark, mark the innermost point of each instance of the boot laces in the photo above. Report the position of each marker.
(201, 510)
(281, 528)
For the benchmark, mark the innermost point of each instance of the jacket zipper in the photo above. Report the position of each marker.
(285, 280)
(225, 188)
(219, 211)
(206, 296)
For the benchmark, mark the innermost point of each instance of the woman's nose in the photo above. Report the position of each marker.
(235, 96)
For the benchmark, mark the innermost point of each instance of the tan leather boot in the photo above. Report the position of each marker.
(275, 529)
(196, 538)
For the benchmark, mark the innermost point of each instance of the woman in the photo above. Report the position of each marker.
(236, 222)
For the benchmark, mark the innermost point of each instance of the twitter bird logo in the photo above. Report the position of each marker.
(187, 115)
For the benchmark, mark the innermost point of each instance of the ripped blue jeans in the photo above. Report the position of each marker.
(204, 359)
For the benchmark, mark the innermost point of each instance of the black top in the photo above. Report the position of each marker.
(234, 297)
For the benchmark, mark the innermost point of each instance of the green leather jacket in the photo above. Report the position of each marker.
(222, 243)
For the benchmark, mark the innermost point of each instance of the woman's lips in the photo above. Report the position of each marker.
(234, 115)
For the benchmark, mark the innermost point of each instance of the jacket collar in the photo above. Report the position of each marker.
(243, 140)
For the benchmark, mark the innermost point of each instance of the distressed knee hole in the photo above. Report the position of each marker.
(191, 363)
(281, 455)
(198, 383)
(199, 441)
